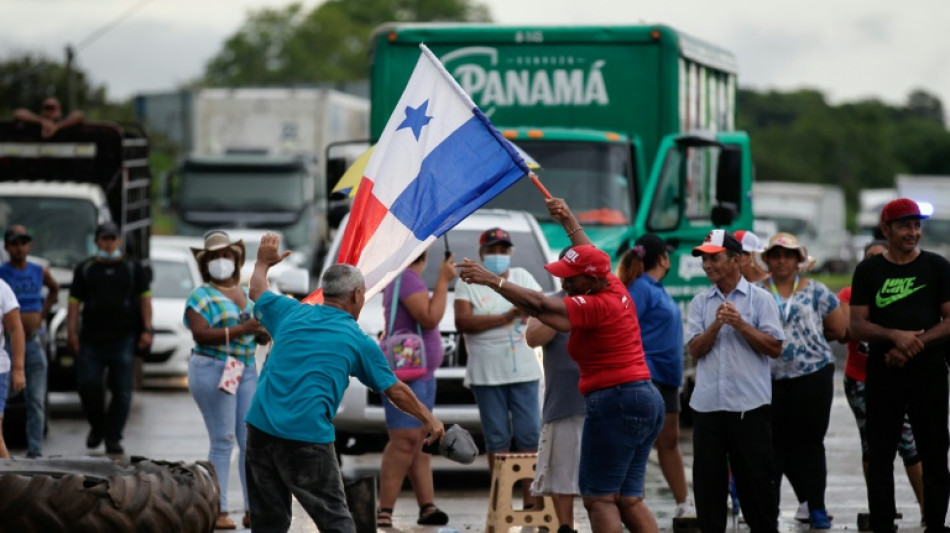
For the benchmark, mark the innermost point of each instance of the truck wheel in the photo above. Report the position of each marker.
(99, 495)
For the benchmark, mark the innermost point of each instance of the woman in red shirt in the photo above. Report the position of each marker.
(624, 410)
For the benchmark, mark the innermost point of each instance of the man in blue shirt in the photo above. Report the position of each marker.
(289, 425)
(732, 331)
(27, 281)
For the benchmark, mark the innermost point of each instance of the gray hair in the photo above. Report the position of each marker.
(339, 281)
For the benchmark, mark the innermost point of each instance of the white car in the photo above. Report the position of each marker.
(360, 421)
(174, 275)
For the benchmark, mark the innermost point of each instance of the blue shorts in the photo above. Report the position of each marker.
(4, 388)
(621, 425)
(509, 411)
(424, 389)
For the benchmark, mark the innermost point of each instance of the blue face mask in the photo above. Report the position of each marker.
(115, 254)
(497, 263)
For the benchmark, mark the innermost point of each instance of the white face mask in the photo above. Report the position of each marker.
(221, 268)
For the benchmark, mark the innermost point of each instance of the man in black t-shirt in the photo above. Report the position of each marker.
(113, 295)
(900, 301)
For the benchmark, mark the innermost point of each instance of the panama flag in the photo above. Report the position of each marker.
(438, 159)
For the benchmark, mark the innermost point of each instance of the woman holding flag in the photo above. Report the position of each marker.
(615, 380)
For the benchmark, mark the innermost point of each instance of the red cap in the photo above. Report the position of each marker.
(583, 259)
(900, 209)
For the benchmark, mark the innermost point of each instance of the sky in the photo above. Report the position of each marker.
(848, 49)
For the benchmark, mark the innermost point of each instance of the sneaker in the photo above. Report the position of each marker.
(566, 529)
(684, 510)
(93, 439)
(819, 519)
(802, 514)
(114, 447)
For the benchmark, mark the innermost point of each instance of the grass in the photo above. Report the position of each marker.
(835, 282)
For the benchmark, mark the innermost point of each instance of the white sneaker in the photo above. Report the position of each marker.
(684, 510)
(802, 514)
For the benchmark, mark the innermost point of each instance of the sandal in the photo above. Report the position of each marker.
(430, 515)
(384, 517)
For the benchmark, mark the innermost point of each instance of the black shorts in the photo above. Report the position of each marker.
(671, 397)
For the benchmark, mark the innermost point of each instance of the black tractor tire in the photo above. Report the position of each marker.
(91, 494)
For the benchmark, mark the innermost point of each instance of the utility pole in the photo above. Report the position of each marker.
(70, 81)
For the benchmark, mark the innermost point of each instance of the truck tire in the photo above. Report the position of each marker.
(98, 495)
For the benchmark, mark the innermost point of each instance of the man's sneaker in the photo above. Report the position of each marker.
(819, 519)
(802, 514)
(684, 510)
(114, 447)
(94, 439)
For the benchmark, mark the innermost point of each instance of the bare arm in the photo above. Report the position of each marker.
(426, 311)
(836, 325)
(267, 256)
(13, 327)
(941, 331)
(537, 333)
(405, 400)
(727, 314)
(52, 292)
(863, 329)
(468, 322)
(72, 326)
(25, 115)
(145, 339)
(550, 310)
(205, 335)
(560, 212)
(701, 344)
(846, 311)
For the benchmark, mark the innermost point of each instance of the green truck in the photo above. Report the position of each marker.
(633, 125)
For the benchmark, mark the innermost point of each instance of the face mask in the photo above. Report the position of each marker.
(115, 254)
(497, 263)
(221, 268)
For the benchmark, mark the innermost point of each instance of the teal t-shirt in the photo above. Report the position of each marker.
(316, 350)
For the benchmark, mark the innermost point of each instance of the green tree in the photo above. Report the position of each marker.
(289, 46)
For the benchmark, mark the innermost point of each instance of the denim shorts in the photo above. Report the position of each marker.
(4, 388)
(509, 411)
(424, 389)
(621, 425)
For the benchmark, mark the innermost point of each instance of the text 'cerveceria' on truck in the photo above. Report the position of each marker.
(597, 106)
(60, 189)
(254, 160)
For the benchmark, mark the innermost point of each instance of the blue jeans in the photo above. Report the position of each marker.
(223, 414)
(278, 468)
(91, 365)
(509, 410)
(35, 396)
(621, 424)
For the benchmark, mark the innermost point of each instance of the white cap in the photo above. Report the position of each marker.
(750, 242)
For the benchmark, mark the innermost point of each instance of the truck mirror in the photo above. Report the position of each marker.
(336, 167)
(728, 186)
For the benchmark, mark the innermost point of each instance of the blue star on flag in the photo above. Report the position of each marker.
(415, 119)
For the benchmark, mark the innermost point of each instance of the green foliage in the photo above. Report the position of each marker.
(289, 46)
(797, 136)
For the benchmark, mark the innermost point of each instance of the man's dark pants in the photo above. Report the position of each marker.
(920, 388)
(278, 468)
(743, 442)
(94, 359)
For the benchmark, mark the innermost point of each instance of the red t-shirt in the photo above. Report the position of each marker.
(605, 338)
(855, 367)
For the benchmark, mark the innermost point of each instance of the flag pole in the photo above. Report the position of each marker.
(540, 186)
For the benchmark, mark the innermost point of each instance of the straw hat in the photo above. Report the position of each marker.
(787, 241)
(218, 239)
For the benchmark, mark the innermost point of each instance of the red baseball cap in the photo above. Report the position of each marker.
(717, 241)
(900, 209)
(583, 259)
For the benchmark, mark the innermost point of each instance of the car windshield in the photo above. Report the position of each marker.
(229, 190)
(171, 279)
(527, 254)
(63, 229)
(594, 176)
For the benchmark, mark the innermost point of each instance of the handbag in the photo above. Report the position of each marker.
(404, 351)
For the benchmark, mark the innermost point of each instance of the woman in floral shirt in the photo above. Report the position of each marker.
(803, 376)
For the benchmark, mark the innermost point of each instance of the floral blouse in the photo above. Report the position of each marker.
(805, 349)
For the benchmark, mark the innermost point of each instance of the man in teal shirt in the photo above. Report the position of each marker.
(289, 425)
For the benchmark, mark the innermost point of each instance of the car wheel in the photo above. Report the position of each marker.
(97, 494)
